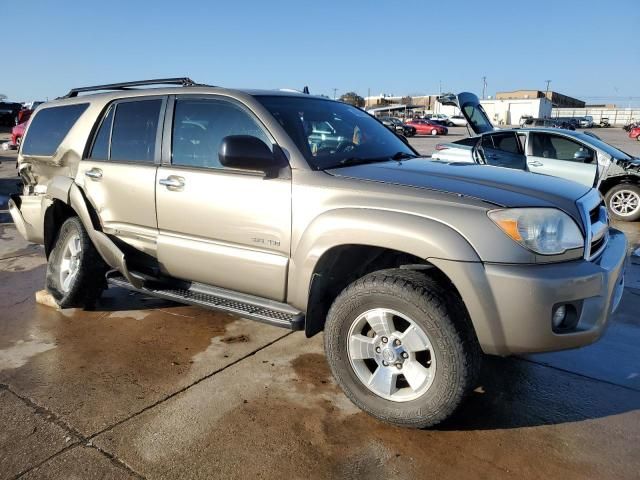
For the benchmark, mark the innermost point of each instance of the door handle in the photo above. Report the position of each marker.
(536, 163)
(172, 182)
(94, 174)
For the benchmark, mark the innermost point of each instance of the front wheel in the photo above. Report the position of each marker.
(434, 132)
(75, 270)
(402, 348)
(623, 202)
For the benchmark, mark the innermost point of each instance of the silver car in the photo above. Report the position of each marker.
(572, 155)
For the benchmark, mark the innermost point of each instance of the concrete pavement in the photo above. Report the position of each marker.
(142, 388)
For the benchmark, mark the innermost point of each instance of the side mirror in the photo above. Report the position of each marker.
(246, 152)
(583, 155)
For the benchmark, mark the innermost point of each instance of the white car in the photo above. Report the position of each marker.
(586, 122)
(457, 121)
(578, 156)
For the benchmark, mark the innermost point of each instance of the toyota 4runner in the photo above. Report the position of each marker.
(233, 200)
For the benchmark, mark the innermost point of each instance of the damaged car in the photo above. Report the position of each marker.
(577, 156)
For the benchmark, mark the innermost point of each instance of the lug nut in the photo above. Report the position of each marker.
(396, 342)
(385, 363)
(398, 365)
(385, 339)
(378, 349)
(405, 355)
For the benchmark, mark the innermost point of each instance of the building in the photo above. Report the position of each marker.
(558, 100)
(508, 112)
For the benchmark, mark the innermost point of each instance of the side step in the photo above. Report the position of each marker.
(214, 298)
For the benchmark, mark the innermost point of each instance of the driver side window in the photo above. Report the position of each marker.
(199, 125)
(559, 148)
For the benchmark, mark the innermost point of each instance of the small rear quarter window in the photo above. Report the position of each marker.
(49, 127)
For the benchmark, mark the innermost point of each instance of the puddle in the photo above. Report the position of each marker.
(20, 353)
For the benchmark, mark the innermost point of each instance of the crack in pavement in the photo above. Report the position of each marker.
(81, 440)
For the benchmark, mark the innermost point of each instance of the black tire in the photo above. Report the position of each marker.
(442, 317)
(450, 124)
(87, 283)
(610, 197)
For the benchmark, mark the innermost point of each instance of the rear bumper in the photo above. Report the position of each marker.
(511, 305)
(27, 213)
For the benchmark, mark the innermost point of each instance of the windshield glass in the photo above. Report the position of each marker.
(330, 134)
(605, 147)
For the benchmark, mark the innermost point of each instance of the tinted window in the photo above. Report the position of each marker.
(200, 125)
(556, 147)
(507, 142)
(100, 150)
(49, 127)
(135, 128)
(356, 134)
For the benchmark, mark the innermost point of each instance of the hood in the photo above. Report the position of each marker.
(502, 187)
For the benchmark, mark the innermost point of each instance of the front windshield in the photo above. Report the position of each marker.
(330, 134)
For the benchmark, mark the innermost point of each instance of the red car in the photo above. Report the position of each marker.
(17, 133)
(425, 127)
(635, 133)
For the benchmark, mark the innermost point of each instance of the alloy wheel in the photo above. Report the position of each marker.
(70, 261)
(391, 355)
(625, 203)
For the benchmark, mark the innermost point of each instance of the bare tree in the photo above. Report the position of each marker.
(2, 96)
(352, 98)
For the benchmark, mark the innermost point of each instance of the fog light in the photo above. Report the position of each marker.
(559, 316)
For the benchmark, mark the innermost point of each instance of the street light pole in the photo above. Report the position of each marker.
(546, 93)
(334, 93)
(484, 86)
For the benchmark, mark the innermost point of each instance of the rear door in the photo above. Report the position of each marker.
(560, 156)
(120, 172)
(503, 149)
(470, 107)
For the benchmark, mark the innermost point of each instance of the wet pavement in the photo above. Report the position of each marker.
(143, 388)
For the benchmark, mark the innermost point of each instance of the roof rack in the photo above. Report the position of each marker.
(183, 81)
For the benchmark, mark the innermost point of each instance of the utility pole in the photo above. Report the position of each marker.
(367, 102)
(484, 86)
(546, 93)
(334, 93)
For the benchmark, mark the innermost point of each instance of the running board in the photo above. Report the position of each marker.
(214, 298)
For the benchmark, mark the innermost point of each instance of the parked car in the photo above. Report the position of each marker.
(398, 126)
(17, 133)
(9, 113)
(604, 122)
(635, 133)
(218, 198)
(427, 127)
(562, 153)
(457, 121)
(586, 122)
(25, 112)
(528, 122)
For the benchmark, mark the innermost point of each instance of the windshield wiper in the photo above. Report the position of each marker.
(351, 161)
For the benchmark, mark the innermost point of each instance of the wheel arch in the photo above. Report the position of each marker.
(68, 200)
(341, 246)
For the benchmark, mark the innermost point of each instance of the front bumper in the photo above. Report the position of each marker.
(511, 305)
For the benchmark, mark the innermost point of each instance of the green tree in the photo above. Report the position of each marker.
(352, 98)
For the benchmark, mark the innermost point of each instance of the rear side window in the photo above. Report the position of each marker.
(49, 127)
(135, 129)
(100, 149)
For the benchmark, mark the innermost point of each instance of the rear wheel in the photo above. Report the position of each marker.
(623, 202)
(75, 270)
(401, 347)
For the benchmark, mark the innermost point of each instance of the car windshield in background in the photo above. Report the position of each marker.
(331, 134)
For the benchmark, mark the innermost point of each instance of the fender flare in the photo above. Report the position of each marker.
(409, 233)
(68, 192)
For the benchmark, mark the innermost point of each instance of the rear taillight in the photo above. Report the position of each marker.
(441, 146)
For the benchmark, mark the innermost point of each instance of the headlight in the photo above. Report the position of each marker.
(546, 231)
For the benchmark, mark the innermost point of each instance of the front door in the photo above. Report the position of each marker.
(220, 226)
(563, 157)
(120, 172)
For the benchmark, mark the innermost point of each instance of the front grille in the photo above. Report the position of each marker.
(596, 223)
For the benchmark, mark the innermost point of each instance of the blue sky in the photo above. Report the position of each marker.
(587, 49)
